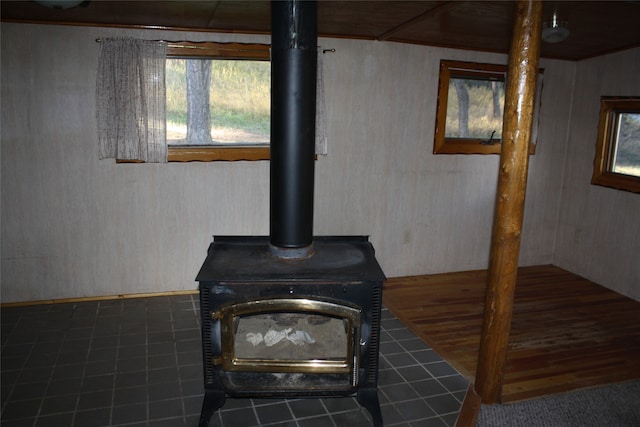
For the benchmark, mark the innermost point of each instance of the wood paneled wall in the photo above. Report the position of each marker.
(598, 232)
(74, 226)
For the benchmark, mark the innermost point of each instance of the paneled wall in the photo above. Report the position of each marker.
(598, 233)
(74, 226)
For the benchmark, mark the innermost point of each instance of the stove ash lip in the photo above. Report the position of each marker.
(292, 254)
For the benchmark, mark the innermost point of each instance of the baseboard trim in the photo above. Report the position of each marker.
(97, 298)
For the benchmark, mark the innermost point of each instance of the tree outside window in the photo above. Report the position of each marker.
(218, 101)
(470, 108)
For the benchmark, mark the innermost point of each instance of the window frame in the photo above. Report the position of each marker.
(213, 50)
(610, 108)
(480, 71)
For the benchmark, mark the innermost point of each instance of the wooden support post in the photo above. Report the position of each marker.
(520, 95)
(470, 409)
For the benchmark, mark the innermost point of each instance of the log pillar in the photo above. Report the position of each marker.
(509, 210)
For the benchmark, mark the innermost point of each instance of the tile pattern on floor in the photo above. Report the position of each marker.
(138, 362)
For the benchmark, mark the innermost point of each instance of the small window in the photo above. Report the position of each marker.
(617, 161)
(470, 107)
(218, 101)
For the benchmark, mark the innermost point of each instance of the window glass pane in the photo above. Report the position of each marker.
(218, 102)
(474, 109)
(291, 336)
(626, 155)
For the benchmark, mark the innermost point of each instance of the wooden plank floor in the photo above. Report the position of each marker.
(567, 332)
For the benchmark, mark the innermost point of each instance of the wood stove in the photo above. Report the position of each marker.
(290, 315)
(273, 327)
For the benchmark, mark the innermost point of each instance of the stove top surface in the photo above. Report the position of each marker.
(248, 258)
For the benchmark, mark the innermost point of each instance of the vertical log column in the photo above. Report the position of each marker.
(512, 182)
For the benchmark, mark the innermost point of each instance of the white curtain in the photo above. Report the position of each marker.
(130, 94)
(321, 118)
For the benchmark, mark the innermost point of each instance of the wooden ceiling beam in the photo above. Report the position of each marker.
(211, 22)
(415, 20)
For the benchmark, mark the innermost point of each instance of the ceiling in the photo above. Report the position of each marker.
(597, 27)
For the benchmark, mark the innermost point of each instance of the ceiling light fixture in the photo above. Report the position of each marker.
(59, 4)
(555, 30)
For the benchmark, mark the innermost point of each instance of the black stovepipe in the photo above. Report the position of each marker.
(293, 116)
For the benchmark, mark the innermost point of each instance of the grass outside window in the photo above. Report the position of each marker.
(218, 101)
(470, 108)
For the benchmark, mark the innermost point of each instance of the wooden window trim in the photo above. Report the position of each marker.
(206, 154)
(211, 154)
(602, 175)
(218, 50)
(443, 145)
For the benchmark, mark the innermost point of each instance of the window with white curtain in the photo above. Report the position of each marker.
(193, 101)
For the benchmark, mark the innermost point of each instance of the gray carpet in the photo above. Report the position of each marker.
(616, 405)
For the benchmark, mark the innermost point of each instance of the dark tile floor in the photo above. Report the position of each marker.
(137, 362)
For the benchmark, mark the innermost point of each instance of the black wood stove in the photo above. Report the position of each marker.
(290, 315)
(325, 310)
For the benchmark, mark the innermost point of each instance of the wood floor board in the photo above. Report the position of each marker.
(567, 332)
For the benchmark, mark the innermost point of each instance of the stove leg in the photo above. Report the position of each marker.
(213, 400)
(368, 398)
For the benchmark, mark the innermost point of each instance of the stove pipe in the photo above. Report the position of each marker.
(293, 120)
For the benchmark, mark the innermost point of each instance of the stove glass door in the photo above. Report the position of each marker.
(290, 335)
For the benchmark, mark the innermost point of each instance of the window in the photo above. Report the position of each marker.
(470, 107)
(218, 101)
(617, 161)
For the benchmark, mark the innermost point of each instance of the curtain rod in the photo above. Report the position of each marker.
(177, 44)
(180, 44)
